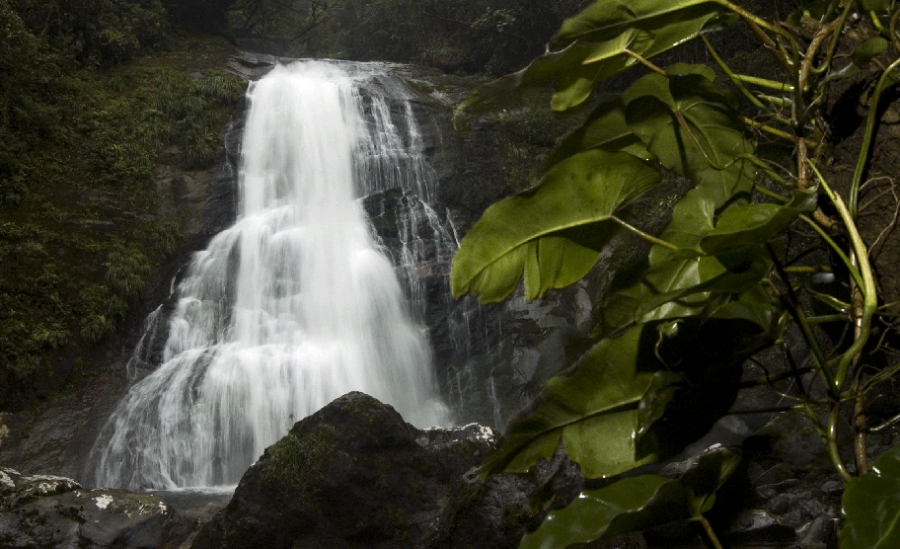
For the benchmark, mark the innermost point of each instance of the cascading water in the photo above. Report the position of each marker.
(288, 309)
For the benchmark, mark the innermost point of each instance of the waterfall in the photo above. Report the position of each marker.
(292, 306)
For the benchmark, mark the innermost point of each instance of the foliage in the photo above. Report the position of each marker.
(605, 182)
(127, 269)
(95, 32)
(492, 36)
(177, 111)
(24, 60)
(88, 104)
(636, 502)
(721, 265)
(871, 508)
(466, 36)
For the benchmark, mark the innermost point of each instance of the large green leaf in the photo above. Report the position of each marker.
(688, 282)
(569, 69)
(679, 288)
(875, 5)
(649, 40)
(574, 86)
(693, 217)
(871, 506)
(592, 409)
(606, 19)
(868, 49)
(587, 189)
(625, 506)
(635, 503)
(605, 129)
(742, 230)
(862, 56)
(699, 133)
(657, 85)
(555, 262)
(693, 129)
(702, 482)
(664, 386)
(575, 65)
(755, 305)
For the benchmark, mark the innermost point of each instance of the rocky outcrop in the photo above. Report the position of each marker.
(50, 512)
(355, 475)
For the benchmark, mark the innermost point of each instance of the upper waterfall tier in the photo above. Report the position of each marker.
(291, 307)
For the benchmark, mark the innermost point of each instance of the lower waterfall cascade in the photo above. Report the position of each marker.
(291, 307)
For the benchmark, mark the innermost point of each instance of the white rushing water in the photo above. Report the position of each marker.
(288, 309)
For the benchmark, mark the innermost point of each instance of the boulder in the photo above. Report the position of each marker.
(355, 475)
(50, 512)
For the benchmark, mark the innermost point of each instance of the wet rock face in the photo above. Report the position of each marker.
(50, 512)
(355, 475)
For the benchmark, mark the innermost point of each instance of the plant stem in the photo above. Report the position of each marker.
(876, 22)
(647, 63)
(831, 301)
(893, 30)
(761, 190)
(808, 269)
(811, 416)
(734, 78)
(863, 157)
(770, 172)
(792, 306)
(775, 410)
(869, 293)
(826, 319)
(835, 39)
(881, 377)
(777, 101)
(831, 441)
(837, 249)
(764, 83)
(757, 24)
(878, 428)
(711, 534)
(770, 130)
(802, 78)
(860, 425)
(645, 236)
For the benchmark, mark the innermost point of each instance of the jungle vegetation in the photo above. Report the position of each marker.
(91, 93)
(762, 275)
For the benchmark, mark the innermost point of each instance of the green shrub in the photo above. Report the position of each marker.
(87, 103)
(96, 32)
(127, 269)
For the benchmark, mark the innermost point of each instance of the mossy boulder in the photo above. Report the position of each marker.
(355, 475)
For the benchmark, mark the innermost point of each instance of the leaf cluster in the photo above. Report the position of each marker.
(656, 378)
